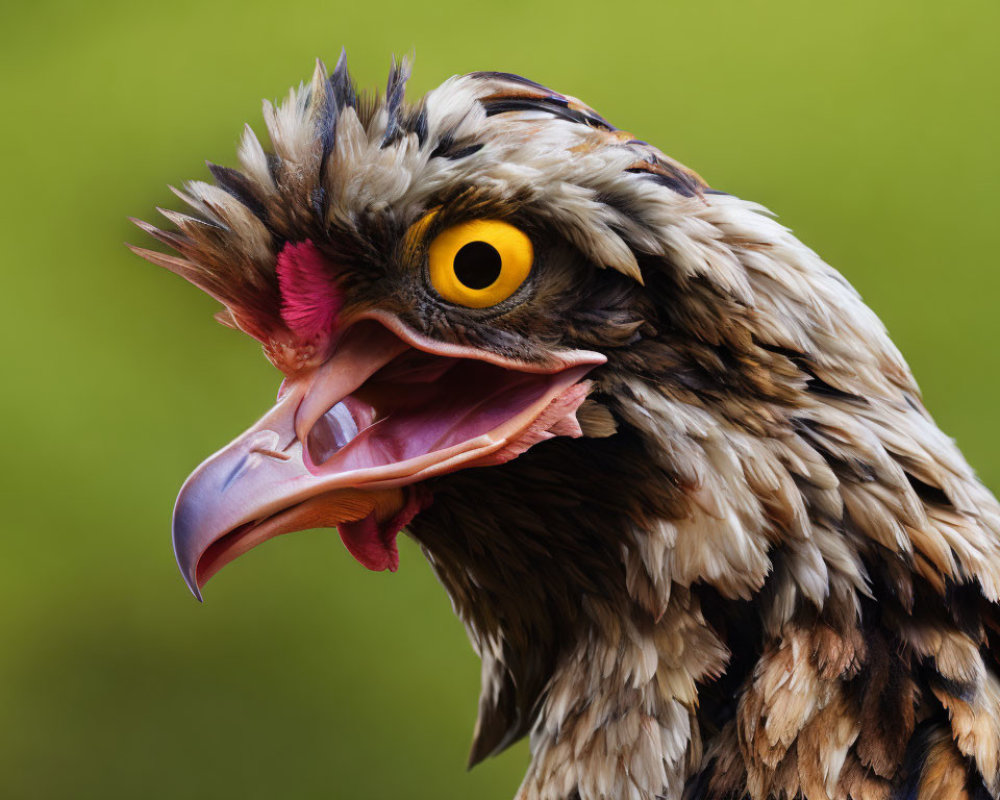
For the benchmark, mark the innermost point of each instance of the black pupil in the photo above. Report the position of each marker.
(477, 265)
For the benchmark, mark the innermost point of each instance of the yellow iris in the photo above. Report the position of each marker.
(479, 263)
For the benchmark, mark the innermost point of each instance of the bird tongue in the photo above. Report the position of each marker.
(373, 543)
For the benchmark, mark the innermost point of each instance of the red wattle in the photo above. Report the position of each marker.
(373, 543)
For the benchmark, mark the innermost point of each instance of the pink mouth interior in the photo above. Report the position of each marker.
(419, 404)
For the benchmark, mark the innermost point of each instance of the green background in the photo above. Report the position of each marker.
(871, 128)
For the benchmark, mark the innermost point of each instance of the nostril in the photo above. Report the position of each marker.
(270, 453)
(330, 433)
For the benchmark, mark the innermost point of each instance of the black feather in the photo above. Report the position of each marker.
(395, 90)
(676, 181)
(235, 183)
(555, 105)
(507, 76)
(326, 120)
(344, 94)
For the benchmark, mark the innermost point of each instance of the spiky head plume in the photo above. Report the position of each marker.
(338, 156)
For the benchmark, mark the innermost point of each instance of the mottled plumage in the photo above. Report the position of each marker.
(737, 559)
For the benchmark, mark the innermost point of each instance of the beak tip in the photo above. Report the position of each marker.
(195, 589)
(185, 533)
(189, 574)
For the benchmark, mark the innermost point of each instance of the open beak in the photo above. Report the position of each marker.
(348, 443)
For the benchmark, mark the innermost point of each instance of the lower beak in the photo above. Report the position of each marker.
(254, 490)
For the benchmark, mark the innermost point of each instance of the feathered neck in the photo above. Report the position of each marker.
(539, 558)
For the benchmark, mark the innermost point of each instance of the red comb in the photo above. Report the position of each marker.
(310, 297)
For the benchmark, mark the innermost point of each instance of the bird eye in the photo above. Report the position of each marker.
(479, 263)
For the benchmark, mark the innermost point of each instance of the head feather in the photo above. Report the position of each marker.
(336, 156)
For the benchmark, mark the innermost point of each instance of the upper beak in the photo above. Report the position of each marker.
(324, 456)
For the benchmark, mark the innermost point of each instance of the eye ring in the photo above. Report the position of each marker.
(479, 263)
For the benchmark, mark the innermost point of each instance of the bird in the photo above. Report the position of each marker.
(674, 475)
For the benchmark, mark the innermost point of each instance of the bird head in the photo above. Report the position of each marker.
(629, 419)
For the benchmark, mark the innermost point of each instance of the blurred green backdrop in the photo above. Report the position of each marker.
(870, 127)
